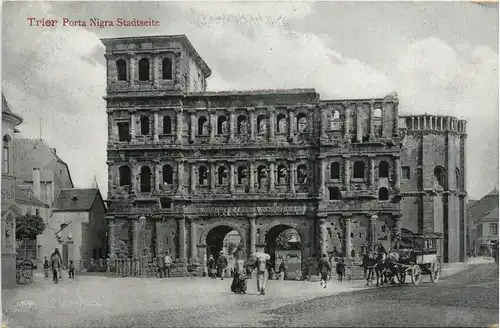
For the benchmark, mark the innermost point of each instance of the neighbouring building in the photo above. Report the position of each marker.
(187, 166)
(482, 219)
(78, 218)
(10, 209)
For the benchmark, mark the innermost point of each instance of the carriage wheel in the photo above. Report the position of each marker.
(401, 276)
(415, 274)
(435, 271)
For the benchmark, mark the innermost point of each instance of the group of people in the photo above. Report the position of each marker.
(164, 265)
(56, 264)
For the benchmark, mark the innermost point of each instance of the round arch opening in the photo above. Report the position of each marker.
(284, 245)
(225, 239)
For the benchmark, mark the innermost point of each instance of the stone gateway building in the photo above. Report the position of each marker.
(187, 166)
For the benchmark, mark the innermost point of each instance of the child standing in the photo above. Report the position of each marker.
(71, 269)
(46, 267)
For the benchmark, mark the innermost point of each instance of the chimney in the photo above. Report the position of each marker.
(36, 182)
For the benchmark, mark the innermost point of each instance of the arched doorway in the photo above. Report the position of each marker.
(284, 243)
(222, 238)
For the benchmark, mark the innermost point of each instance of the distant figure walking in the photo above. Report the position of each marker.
(261, 265)
(168, 265)
(324, 270)
(161, 265)
(56, 264)
(340, 269)
(211, 267)
(283, 269)
(71, 269)
(221, 265)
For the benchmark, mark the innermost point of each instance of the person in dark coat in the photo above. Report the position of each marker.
(239, 284)
(221, 265)
(56, 264)
(283, 269)
(340, 269)
(211, 267)
(324, 270)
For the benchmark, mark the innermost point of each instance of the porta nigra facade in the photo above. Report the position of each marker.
(187, 166)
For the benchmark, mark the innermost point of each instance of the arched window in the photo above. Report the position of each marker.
(457, 178)
(168, 174)
(335, 123)
(282, 174)
(222, 125)
(302, 174)
(125, 176)
(145, 179)
(359, 170)
(261, 124)
(439, 175)
(202, 126)
(262, 176)
(281, 123)
(241, 124)
(334, 171)
(377, 114)
(383, 170)
(6, 155)
(121, 69)
(166, 66)
(222, 175)
(167, 125)
(301, 123)
(383, 194)
(203, 176)
(335, 193)
(242, 174)
(144, 125)
(143, 69)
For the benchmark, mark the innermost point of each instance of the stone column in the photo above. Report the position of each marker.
(136, 245)
(291, 123)
(155, 70)
(181, 225)
(231, 124)
(213, 178)
(372, 232)
(324, 122)
(425, 122)
(178, 125)
(347, 173)
(322, 178)
(213, 125)
(359, 128)
(372, 109)
(271, 122)
(192, 130)
(180, 176)
(252, 122)
(251, 247)
(251, 177)
(157, 176)
(271, 177)
(291, 177)
(132, 126)
(396, 121)
(372, 172)
(111, 235)
(155, 125)
(347, 118)
(397, 178)
(347, 236)
(131, 69)
(231, 177)
(133, 173)
(322, 236)
(192, 239)
(193, 178)
(418, 123)
(158, 244)
(412, 124)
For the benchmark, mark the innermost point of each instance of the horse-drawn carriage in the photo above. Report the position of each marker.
(414, 255)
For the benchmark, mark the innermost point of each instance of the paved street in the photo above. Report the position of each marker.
(95, 301)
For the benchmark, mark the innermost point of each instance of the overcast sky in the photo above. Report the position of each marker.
(440, 58)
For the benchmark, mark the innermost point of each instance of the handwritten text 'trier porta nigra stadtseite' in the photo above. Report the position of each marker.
(92, 22)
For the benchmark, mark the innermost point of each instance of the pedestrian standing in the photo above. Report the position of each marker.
(283, 269)
(168, 265)
(71, 269)
(56, 264)
(161, 265)
(261, 264)
(211, 267)
(221, 265)
(340, 269)
(324, 269)
(46, 267)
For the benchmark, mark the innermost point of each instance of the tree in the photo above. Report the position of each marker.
(28, 227)
(284, 238)
(231, 248)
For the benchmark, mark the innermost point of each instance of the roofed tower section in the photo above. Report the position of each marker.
(154, 65)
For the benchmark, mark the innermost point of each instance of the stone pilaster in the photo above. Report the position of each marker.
(231, 177)
(252, 238)
(192, 130)
(232, 124)
(178, 126)
(213, 178)
(324, 122)
(384, 106)
(155, 125)
(347, 173)
(181, 225)
(136, 238)
(397, 227)
(322, 236)
(251, 177)
(372, 232)
(291, 123)
(158, 244)
(156, 71)
(397, 178)
(132, 126)
(359, 128)
(132, 64)
(192, 239)
(252, 122)
(372, 172)
(347, 118)
(157, 176)
(395, 126)
(192, 179)
(133, 176)
(111, 235)
(180, 176)
(271, 177)
(347, 236)
(213, 125)
(372, 110)
(291, 177)
(271, 122)
(322, 178)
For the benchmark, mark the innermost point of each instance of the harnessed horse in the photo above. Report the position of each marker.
(373, 263)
